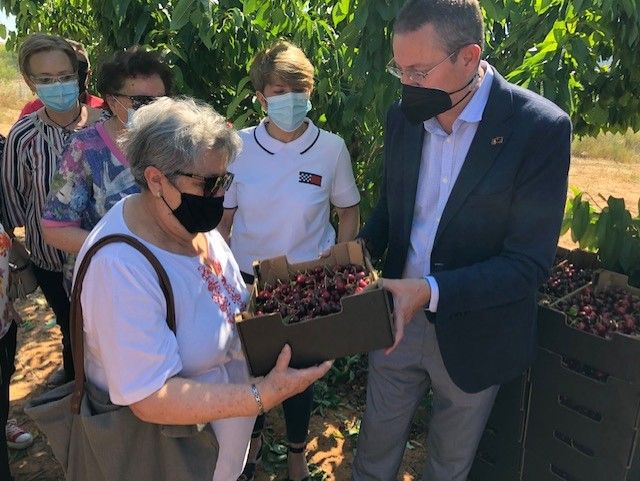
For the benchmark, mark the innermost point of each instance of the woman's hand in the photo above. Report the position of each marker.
(283, 381)
(409, 295)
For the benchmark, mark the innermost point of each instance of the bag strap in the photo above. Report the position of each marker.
(76, 321)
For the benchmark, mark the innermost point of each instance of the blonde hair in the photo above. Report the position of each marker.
(284, 62)
(42, 42)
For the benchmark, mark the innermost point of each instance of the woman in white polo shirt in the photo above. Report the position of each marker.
(288, 178)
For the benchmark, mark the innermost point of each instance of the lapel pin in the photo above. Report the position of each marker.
(497, 140)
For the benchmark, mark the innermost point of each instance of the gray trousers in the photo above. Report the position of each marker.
(395, 387)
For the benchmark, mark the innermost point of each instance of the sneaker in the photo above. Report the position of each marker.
(17, 438)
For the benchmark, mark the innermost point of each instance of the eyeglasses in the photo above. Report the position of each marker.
(138, 101)
(72, 77)
(211, 184)
(414, 75)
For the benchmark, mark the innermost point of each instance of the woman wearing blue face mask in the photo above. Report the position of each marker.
(34, 146)
(289, 178)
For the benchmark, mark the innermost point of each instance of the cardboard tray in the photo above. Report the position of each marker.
(499, 454)
(608, 434)
(509, 412)
(559, 462)
(584, 259)
(618, 356)
(577, 257)
(496, 461)
(562, 253)
(364, 323)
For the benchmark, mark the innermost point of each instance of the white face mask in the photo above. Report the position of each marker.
(130, 113)
(129, 122)
(288, 110)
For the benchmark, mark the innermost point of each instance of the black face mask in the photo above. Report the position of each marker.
(83, 71)
(197, 213)
(421, 103)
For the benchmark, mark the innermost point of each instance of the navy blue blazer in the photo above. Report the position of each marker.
(497, 236)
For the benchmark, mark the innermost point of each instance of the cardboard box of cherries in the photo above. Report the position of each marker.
(324, 309)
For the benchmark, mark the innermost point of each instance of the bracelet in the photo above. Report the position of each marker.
(256, 396)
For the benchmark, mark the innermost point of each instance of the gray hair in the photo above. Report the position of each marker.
(43, 42)
(457, 22)
(171, 134)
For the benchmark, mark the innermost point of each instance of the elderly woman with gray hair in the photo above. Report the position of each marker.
(179, 151)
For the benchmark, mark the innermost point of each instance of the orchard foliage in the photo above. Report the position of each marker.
(609, 229)
(582, 54)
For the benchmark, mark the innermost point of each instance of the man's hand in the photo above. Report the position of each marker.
(409, 295)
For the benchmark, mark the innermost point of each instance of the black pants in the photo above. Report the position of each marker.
(7, 368)
(297, 413)
(297, 409)
(52, 285)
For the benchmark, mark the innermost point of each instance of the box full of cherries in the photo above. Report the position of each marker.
(324, 308)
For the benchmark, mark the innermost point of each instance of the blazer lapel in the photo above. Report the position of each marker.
(493, 132)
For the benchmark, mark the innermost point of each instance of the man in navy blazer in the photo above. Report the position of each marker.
(472, 199)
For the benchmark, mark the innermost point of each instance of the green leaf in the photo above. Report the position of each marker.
(602, 227)
(542, 6)
(617, 212)
(250, 6)
(630, 254)
(608, 252)
(3, 31)
(589, 240)
(120, 9)
(181, 13)
(580, 221)
(629, 7)
(361, 16)
(340, 11)
(231, 109)
(141, 26)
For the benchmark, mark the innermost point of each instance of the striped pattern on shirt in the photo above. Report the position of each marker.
(29, 163)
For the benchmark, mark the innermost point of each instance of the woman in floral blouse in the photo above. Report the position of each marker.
(94, 174)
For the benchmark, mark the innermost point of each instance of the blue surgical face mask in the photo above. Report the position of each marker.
(59, 96)
(288, 110)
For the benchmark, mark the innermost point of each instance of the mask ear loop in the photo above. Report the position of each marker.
(116, 99)
(161, 195)
(460, 89)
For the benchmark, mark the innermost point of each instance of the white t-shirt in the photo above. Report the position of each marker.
(130, 352)
(283, 193)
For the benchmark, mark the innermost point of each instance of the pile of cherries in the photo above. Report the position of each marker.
(312, 293)
(563, 280)
(613, 309)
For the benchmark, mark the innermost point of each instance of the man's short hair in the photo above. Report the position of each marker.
(457, 22)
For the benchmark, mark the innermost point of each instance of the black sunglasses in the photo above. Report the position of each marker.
(138, 101)
(211, 184)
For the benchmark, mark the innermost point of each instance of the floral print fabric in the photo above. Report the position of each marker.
(92, 176)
